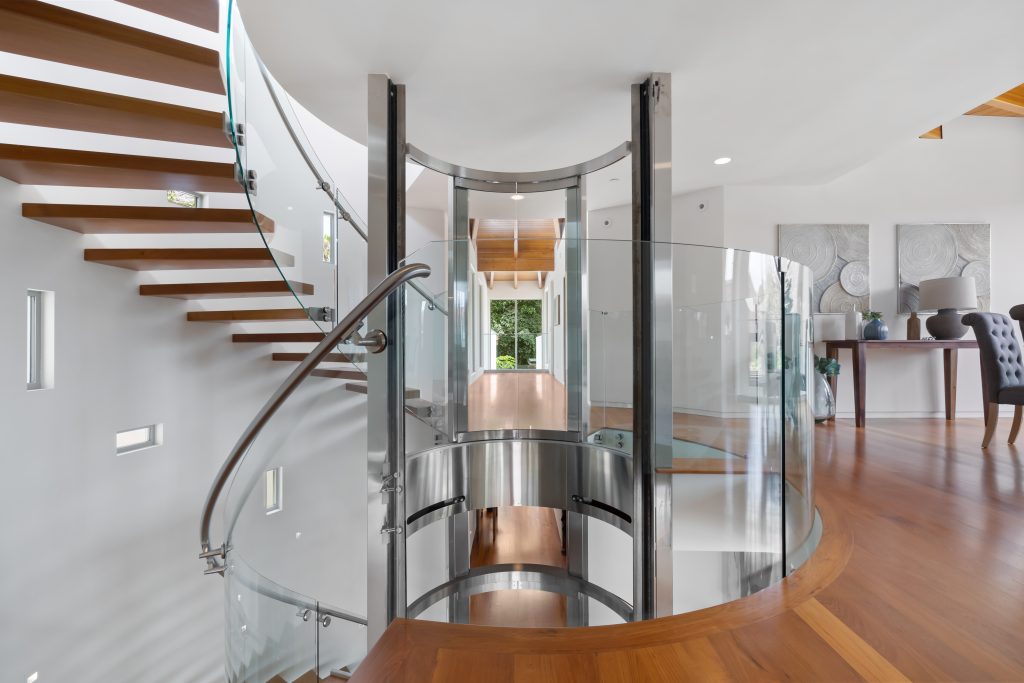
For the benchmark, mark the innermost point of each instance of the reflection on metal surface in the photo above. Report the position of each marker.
(524, 179)
(504, 473)
(521, 577)
(515, 434)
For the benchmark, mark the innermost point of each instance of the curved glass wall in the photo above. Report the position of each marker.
(519, 396)
(739, 485)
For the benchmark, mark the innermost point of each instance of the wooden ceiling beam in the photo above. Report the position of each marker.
(1010, 103)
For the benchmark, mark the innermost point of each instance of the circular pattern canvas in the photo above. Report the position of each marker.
(979, 271)
(837, 300)
(815, 249)
(926, 251)
(854, 278)
(972, 242)
(851, 241)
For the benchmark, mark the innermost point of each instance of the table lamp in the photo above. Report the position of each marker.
(948, 295)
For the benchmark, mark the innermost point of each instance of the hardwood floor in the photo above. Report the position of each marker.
(522, 535)
(919, 576)
(516, 400)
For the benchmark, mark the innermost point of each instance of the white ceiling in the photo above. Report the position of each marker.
(795, 91)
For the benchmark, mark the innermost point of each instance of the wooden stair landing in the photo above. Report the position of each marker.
(90, 219)
(184, 259)
(44, 31)
(250, 315)
(225, 290)
(201, 13)
(275, 337)
(30, 165)
(333, 373)
(39, 103)
(330, 358)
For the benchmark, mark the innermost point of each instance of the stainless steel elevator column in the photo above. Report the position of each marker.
(652, 345)
(385, 537)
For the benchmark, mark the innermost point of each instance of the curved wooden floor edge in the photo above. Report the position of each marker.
(406, 641)
(918, 576)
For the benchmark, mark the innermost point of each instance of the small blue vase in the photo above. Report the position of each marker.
(876, 330)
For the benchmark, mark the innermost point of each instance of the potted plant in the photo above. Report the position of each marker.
(876, 329)
(824, 400)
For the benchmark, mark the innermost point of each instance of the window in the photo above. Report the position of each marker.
(139, 438)
(39, 339)
(35, 339)
(272, 498)
(328, 230)
(191, 200)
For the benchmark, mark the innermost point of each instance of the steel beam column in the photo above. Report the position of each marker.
(577, 315)
(386, 594)
(458, 316)
(652, 344)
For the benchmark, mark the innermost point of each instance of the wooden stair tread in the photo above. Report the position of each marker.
(177, 259)
(330, 358)
(272, 337)
(43, 31)
(338, 374)
(53, 166)
(201, 13)
(361, 388)
(51, 105)
(90, 219)
(250, 315)
(219, 290)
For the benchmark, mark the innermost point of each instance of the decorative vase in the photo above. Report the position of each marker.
(876, 330)
(824, 401)
(913, 327)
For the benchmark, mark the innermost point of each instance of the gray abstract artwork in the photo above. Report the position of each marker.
(928, 251)
(838, 256)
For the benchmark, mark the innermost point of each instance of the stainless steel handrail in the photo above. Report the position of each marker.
(344, 329)
(325, 185)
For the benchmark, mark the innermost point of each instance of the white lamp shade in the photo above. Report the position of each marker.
(949, 292)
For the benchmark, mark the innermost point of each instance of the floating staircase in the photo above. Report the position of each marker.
(56, 34)
(91, 219)
(39, 103)
(30, 165)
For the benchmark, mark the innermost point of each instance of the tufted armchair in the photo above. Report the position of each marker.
(1002, 368)
(1017, 313)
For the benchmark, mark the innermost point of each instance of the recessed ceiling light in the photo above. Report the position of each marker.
(721, 161)
(613, 180)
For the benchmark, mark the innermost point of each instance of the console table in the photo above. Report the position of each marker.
(858, 347)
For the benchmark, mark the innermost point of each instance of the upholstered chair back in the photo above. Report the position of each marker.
(1001, 363)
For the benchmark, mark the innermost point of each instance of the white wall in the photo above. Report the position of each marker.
(976, 174)
(101, 580)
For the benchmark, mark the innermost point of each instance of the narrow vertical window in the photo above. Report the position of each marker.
(39, 345)
(328, 231)
(34, 346)
(273, 497)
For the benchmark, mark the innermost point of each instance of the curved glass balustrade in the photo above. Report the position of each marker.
(540, 445)
(317, 239)
(739, 484)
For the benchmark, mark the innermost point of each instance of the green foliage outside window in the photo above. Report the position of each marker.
(511, 319)
(505, 362)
